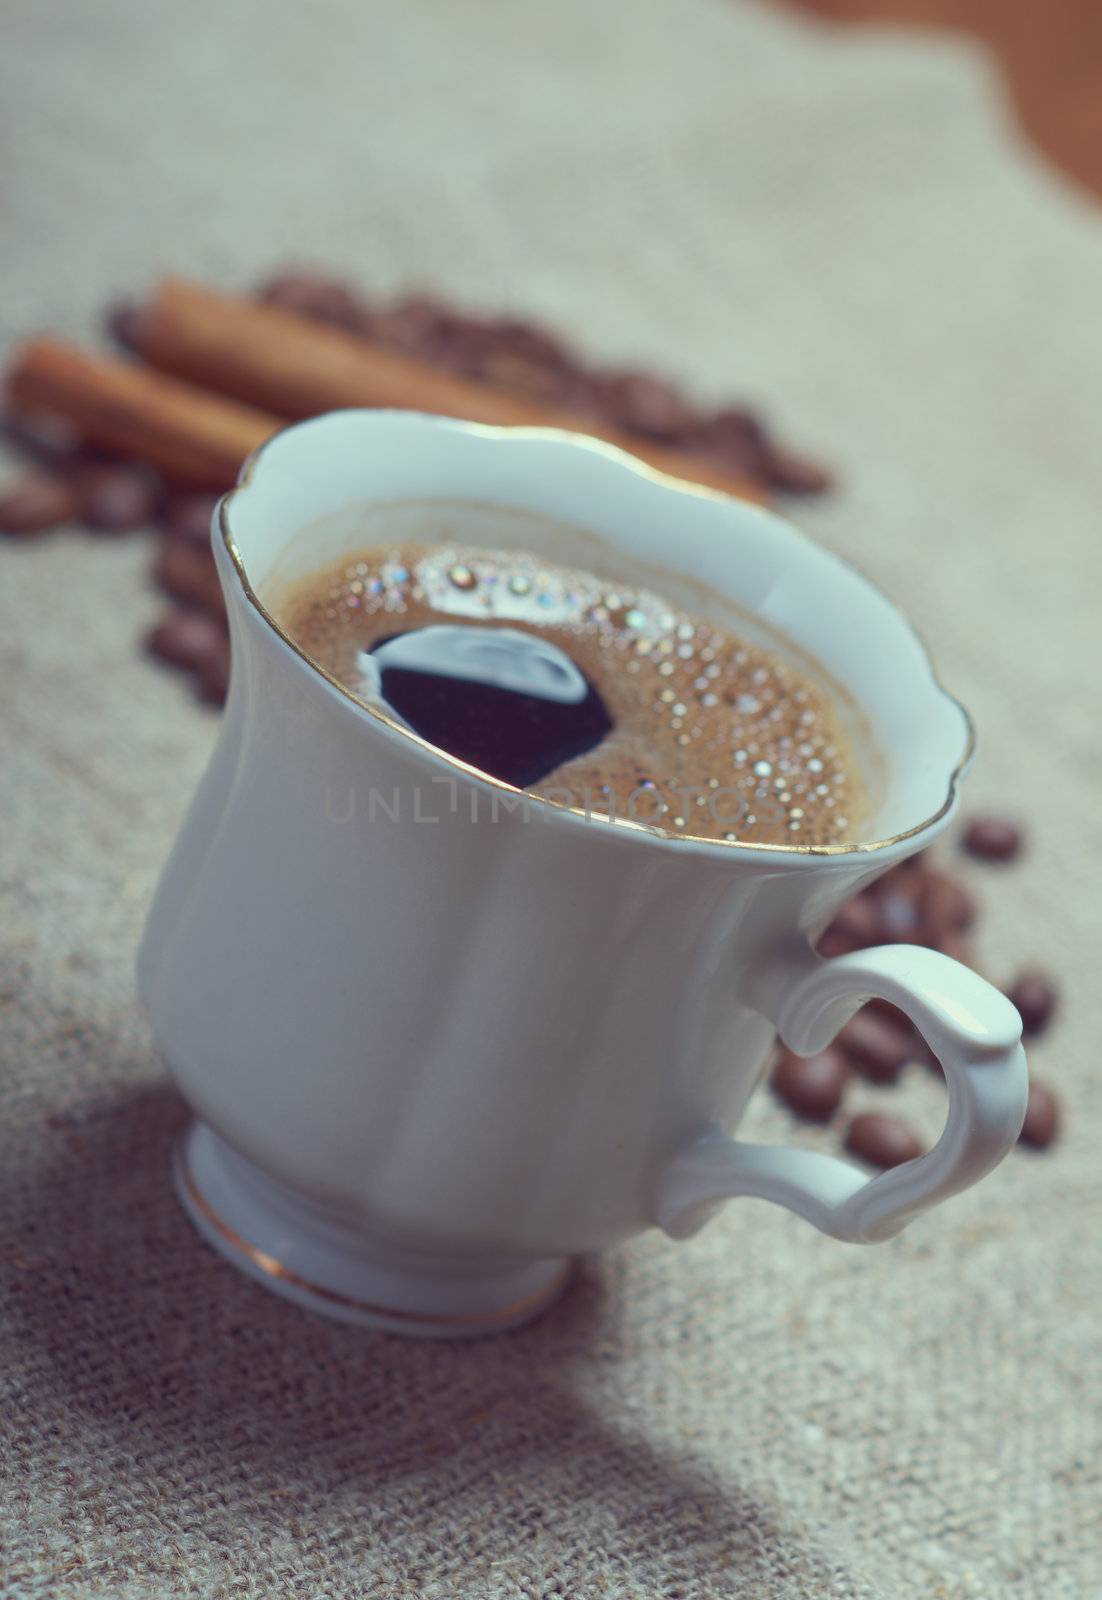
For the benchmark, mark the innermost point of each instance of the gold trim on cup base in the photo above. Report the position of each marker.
(441, 1323)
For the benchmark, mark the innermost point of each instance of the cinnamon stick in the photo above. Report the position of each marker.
(191, 435)
(296, 368)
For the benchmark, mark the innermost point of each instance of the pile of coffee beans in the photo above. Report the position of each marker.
(527, 360)
(914, 903)
(77, 484)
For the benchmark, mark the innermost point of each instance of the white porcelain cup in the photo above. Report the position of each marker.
(438, 1043)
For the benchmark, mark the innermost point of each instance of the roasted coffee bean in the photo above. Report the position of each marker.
(530, 344)
(993, 838)
(876, 1046)
(35, 504)
(645, 404)
(898, 917)
(318, 296)
(528, 361)
(188, 517)
(882, 1140)
(117, 499)
(213, 677)
(126, 324)
(1042, 1118)
(188, 573)
(811, 1086)
(858, 921)
(508, 371)
(186, 638)
(792, 473)
(1035, 997)
(415, 324)
(945, 904)
(464, 345)
(732, 435)
(901, 1025)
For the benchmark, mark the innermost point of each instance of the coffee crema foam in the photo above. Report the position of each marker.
(713, 735)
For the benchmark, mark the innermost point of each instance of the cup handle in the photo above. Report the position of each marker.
(973, 1030)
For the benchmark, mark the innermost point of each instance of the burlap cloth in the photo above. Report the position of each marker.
(839, 226)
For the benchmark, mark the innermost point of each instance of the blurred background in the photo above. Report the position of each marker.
(847, 251)
(1050, 56)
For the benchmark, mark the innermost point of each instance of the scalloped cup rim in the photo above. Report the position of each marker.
(263, 462)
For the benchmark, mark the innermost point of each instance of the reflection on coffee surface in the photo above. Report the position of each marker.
(606, 697)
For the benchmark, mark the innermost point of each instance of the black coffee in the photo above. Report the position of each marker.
(550, 677)
(517, 734)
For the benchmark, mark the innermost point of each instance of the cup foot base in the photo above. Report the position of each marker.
(293, 1248)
